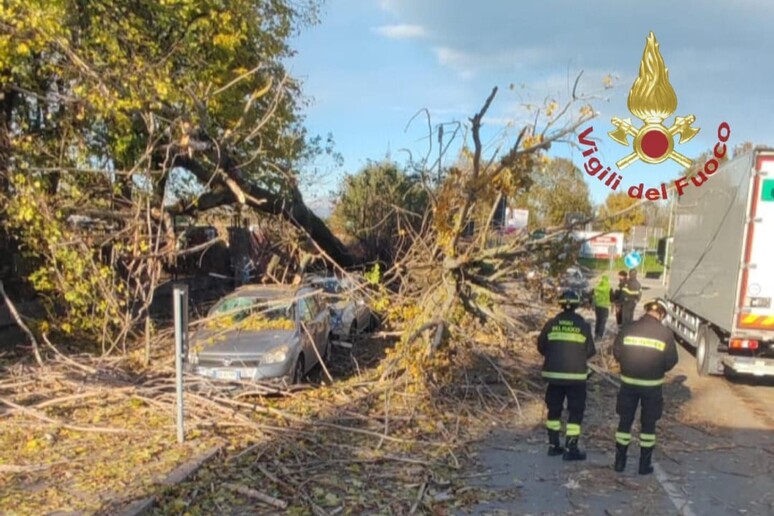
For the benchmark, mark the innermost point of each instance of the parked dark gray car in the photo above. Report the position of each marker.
(263, 332)
(350, 315)
(574, 279)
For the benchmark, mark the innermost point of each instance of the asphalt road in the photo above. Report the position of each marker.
(715, 453)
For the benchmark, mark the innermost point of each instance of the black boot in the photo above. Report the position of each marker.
(573, 453)
(620, 457)
(554, 447)
(646, 454)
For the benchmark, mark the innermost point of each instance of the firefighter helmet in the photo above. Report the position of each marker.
(656, 305)
(569, 299)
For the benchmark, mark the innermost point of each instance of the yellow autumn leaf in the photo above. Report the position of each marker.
(23, 49)
(32, 445)
(551, 108)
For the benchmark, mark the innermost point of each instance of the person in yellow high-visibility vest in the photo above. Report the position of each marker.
(603, 298)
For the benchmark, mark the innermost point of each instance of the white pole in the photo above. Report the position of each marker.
(180, 308)
(666, 244)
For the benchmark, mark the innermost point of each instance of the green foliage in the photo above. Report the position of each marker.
(99, 97)
(70, 274)
(118, 71)
(380, 206)
(558, 188)
(650, 264)
(618, 201)
(374, 275)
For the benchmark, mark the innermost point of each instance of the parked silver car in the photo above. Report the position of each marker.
(350, 315)
(263, 332)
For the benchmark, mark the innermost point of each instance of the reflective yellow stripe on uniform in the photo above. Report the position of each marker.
(644, 342)
(642, 383)
(630, 292)
(623, 438)
(554, 424)
(573, 430)
(565, 376)
(647, 440)
(571, 337)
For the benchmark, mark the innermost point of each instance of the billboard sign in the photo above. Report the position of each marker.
(600, 245)
(516, 218)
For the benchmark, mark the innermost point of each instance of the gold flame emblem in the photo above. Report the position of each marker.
(653, 100)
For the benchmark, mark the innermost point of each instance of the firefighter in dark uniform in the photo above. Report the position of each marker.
(623, 276)
(646, 351)
(631, 293)
(566, 343)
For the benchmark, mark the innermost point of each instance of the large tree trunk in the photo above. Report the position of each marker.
(292, 208)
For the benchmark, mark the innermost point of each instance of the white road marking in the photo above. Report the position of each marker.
(680, 502)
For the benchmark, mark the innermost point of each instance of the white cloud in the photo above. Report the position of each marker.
(468, 63)
(401, 31)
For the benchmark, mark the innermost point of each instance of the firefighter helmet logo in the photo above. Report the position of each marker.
(653, 100)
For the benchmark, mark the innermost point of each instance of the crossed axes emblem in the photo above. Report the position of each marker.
(681, 126)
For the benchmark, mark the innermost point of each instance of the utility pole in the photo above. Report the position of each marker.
(180, 311)
(666, 244)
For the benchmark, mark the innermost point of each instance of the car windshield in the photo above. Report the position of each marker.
(240, 308)
(330, 286)
(333, 288)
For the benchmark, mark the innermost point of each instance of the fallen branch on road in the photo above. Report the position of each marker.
(46, 419)
(20, 323)
(253, 493)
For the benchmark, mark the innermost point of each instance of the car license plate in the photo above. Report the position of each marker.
(227, 375)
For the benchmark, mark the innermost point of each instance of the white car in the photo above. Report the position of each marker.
(350, 315)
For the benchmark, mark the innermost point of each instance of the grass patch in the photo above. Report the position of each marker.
(651, 264)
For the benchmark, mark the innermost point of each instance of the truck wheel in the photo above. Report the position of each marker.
(707, 359)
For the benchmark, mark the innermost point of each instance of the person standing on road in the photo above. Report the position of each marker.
(618, 296)
(603, 297)
(631, 295)
(566, 343)
(646, 350)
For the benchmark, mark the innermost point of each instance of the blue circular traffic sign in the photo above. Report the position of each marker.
(632, 260)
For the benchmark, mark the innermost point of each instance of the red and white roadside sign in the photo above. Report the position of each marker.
(599, 245)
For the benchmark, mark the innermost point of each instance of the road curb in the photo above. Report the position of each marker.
(180, 474)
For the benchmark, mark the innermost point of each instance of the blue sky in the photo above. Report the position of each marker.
(372, 64)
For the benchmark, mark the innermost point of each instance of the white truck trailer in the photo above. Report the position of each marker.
(721, 275)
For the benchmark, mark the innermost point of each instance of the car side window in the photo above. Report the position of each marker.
(320, 303)
(308, 309)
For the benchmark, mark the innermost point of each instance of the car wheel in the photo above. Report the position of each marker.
(299, 372)
(373, 322)
(328, 350)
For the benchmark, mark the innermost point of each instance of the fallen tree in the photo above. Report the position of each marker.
(109, 111)
(451, 281)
